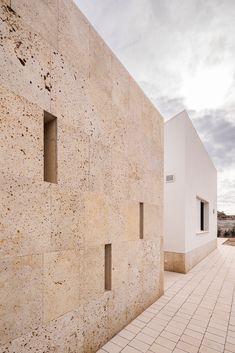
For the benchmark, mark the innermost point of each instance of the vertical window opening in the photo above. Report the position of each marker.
(141, 220)
(202, 216)
(50, 148)
(108, 267)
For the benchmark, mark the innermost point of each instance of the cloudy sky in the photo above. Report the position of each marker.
(182, 53)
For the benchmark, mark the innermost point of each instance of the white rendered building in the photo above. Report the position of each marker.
(190, 196)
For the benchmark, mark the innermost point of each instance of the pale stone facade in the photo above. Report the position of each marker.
(109, 158)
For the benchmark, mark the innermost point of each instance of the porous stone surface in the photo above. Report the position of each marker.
(184, 262)
(110, 158)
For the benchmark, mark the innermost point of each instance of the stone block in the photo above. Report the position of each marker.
(100, 62)
(64, 334)
(73, 158)
(120, 87)
(132, 220)
(25, 216)
(120, 185)
(100, 179)
(21, 295)
(96, 219)
(73, 36)
(92, 273)
(118, 132)
(135, 300)
(96, 329)
(67, 216)
(62, 283)
(5, 2)
(151, 253)
(25, 60)
(152, 221)
(99, 110)
(119, 267)
(71, 109)
(21, 136)
(151, 289)
(116, 219)
(40, 14)
(117, 310)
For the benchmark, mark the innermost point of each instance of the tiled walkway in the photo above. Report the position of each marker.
(196, 313)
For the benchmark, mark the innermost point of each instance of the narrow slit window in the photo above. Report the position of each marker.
(203, 215)
(108, 267)
(50, 148)
(141, 220)
(202, 228)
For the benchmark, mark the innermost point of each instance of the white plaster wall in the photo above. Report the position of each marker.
(195, 175)
(174, 192)
(201, 181)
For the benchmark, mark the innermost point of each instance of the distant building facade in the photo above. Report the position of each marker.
(81, 238)
(190, 216)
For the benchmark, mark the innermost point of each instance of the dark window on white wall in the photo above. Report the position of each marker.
(203, 215)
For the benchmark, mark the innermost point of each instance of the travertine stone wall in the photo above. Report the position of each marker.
(110, 158)
(184, 262)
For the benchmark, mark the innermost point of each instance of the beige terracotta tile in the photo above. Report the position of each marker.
(111, 347)
(165, 342)
(140, 345)
(120, 341)
(214, 337)
(230, 346)
(129, 349)
(170, 336)
(191, 340)
(151, 332)
(157, 348)
(127, 334)
(187, 347)
(133, 328)
(212, 344)
(192, 333)
(205, 349)
(145, 338)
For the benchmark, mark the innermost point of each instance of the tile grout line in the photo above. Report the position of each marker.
(191, 279)
(197, 309)
(232, 303)
(214, 306)
(161, 310)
